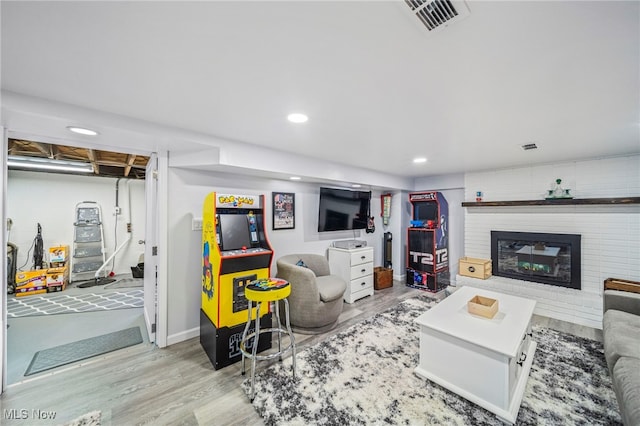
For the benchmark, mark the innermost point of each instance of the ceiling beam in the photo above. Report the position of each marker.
(131, 158)
(44, 148)
(92, 158)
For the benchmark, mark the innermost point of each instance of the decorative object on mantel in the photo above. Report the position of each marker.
(558, 192)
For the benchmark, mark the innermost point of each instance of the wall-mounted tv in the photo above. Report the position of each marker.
(343, 209)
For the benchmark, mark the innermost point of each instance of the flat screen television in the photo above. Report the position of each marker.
(343, 209)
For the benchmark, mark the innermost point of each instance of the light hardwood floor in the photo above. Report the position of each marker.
(175, 385)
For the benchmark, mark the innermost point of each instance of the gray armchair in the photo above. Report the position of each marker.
(316, 296)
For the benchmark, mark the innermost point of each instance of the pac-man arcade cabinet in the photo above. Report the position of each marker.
(235, 251)
(427, 242)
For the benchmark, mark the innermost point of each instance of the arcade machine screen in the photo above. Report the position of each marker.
(234, 232)
(425, 211)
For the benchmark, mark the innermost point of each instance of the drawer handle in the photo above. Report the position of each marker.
(471, 269)
(363, 283)
(363, 257)
(523, 357)
(363, 270)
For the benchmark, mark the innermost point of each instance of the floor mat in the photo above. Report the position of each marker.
(65, 304)
(83, 349)
(126, 283)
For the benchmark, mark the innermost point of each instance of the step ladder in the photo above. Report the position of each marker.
(88, 241)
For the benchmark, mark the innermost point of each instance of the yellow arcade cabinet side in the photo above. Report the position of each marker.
(235, 251)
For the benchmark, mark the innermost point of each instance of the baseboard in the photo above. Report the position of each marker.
(172, 339)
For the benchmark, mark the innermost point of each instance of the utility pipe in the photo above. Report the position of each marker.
(125, 242)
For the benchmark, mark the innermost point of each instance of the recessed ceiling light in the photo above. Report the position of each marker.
(297, 118)
(295, 178)
(420, 160)
(82, 131)
(356, 185)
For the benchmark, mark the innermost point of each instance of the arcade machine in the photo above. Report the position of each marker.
(235, 251)
(427, 242)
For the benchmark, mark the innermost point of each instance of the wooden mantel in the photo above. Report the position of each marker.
(555, 202)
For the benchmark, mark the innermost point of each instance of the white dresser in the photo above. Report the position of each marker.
(355, 266)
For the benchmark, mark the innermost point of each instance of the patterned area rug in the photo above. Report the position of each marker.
(51, 304)
(364, 375)
(90, 419)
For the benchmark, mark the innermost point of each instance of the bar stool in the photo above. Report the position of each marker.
(260, 291)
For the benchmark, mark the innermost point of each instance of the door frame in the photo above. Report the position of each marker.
(161, 220)
(156, 204)
(3, 264)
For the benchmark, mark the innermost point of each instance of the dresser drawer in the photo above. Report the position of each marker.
(362, 283)
(356, 295)
(361, 270)
(357, 289)
(361, 256)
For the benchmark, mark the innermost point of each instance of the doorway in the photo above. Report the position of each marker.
(38, 322)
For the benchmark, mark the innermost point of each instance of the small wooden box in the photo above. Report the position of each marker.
(382, 277)
(474, 268)
(483, 306)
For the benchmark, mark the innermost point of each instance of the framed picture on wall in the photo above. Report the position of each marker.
(283, 210)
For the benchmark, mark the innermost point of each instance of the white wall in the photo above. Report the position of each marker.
(610, 233)
(50, 199)
(188, 188)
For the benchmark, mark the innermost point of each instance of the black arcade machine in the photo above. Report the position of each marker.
(427, 242)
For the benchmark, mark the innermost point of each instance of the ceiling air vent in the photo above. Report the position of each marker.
(436, 14)
(528, 146)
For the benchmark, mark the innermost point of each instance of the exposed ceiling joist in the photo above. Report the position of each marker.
(105, 163)
(92, 159)
(130, 161)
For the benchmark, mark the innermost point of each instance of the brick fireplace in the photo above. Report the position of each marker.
(610, 234)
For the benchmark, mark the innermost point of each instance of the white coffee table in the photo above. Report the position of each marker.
(486, 361)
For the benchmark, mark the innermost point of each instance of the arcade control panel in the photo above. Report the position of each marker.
(249, 250)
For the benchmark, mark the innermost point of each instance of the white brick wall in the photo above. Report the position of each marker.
(610, 233)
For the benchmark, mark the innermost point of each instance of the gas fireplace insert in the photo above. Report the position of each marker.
(538, 257)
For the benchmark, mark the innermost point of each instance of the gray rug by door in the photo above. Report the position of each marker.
(83, 349)
(364, 375)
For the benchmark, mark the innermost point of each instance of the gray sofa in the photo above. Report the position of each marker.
(316, 296)
(621, 331)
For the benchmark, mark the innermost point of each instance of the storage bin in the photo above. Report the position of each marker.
(483, 306)
(475, 268)
(382, 277)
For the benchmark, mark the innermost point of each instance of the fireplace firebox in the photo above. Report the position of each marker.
(539, 257)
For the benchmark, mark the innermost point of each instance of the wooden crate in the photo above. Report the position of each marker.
(475, 268)
(382, 277)
(483, 306)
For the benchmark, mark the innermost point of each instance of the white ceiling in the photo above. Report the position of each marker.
(378, 87)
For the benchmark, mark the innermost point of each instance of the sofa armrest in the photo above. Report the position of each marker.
(622, 301)
(621, 295)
